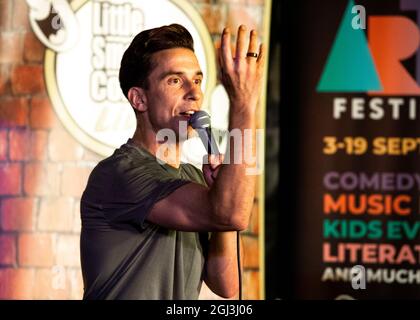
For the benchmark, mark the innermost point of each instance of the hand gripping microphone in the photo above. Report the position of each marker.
(200, 121)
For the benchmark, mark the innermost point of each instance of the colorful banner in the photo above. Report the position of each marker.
(351, 99)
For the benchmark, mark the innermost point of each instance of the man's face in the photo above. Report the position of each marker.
(174, 88)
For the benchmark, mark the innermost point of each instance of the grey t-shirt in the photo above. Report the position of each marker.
(123, 256)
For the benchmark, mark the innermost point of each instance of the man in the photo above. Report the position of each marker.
(146, 224)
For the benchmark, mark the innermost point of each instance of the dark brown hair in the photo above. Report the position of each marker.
(137, 64)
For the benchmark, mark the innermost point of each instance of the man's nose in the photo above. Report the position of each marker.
(194, 91)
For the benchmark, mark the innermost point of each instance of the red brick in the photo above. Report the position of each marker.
(233, 1)
(4, 79)
(250, 252)
(13, 112)
(5, 14)
(10, 178)
(19, 144)
(42, 115)
(18, 214)
(253, 227)
(56, 214)
(214, 16)
(28, 145)
(77, 223)
(33, 48)
(89, 155)
(251, 285)
(36, 250)
(11, 47)
(256, 2)
(16, 283)
(63, 147)
(3, 145)
(76, 284)
(41, 179)
(238, 15)
(7, 249)
(20, 15)
(74, 180)
(27, 79)
(39, 142)
(51, 283)
(68, 250)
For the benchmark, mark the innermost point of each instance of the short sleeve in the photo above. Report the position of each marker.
(135, 189)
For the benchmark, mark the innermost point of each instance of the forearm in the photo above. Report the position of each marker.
(232, 193)
(221, 272)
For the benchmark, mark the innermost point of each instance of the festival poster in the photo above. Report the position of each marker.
(350, 149)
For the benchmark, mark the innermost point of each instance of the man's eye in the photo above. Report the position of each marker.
(198, 81)
(174, 81)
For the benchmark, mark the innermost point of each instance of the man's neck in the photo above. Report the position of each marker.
(147, 140)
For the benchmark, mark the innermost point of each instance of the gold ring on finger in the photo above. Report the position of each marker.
(252, 54)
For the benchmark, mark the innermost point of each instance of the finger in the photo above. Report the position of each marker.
(261, 54)
(226, 52)
(220, 64)
(221, 157)
(214, 166)
(261, 59)
(207, 168)
(208, 175)
(240, 44)
(214, 160)
(253, 45)
(215, 172)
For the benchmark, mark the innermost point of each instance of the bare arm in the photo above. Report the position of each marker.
(221, 269)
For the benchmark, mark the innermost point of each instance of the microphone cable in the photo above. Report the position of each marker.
(238, 254)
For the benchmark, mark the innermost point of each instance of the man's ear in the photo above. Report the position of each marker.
(137, 98)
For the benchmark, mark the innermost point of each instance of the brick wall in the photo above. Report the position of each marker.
(43, 169)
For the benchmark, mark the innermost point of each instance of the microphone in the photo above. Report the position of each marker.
(200, 121)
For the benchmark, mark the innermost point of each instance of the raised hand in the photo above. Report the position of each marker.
(242, 73)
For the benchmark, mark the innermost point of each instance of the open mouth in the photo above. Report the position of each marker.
(187, 114)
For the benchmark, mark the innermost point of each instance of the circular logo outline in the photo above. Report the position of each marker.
(64, 115)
